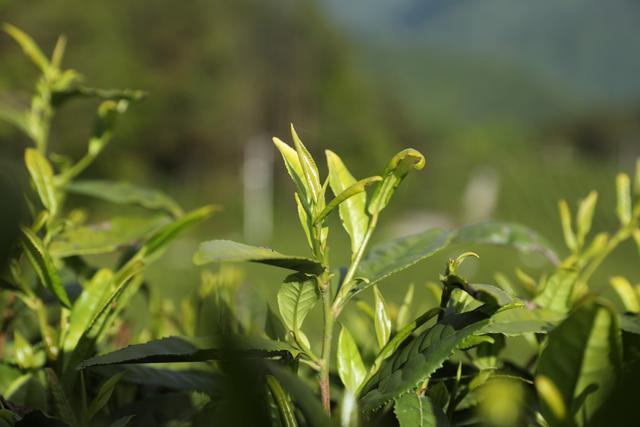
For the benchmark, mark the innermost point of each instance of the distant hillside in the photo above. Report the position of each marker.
(584, 51)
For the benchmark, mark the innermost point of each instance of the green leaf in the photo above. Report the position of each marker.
(582, 358)
(405, 308)
(125, 193)
(584, 217)
(522, 320)
(29, 47)
(161, 238)
(412, 410)
(122, 421)
(104, 394)
(567, 227)
(626, 293)
(283, 402)
(177, 349)
(86, 306)
(42, 263)
(229, 251)
(416, 361)
(383, 260)
(274, 328)
(506, 234)
(398, 339)
(294, 168)
(60, 399)
(558, 290)
(349, 362)
(308, 166)
(630, 323)
(352, 191)
(304, 219)
(178, 380)
(395, 172)
(42, 177)
(69, 92)
(25, 358)
(623, 191)
(109, 236)
(353, 210)
(296, 298)
(382, 322)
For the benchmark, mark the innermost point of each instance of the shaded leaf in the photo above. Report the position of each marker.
(413, 410)
(43, 265)
(109, 236)
(172, 379)
(60, 399)
(582, 352)
(125, 193)
(630, 323)
(229, 251)
(523, 320)
(283, 402)
(104, 394)
(16, 117)
(506, 234)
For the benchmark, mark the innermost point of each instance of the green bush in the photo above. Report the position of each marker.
(65, 359)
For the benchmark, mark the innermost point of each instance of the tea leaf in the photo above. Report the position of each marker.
(42, 177)
(585, 217)
(582, 358)
(416, 361)
(413, 410)
(567, 227)
(60, 399)
(29, 47)
(630, 323)
(125, 193)
(382, 322)
(109, 236)
(42, 263)
(626, 293)
(623, 190)
(180, 380)
(169, 232)
(516, 236)
(296, 298)
(229, 251)
(521, 320)
(304, 220)
(309, 168)
(283, 402)
(558, 290)
(352, 210)
(403, 312)
(122, 421)
(349, 362)
(397, 169)
(23, 351)
(383, 260)
(104, 394)
(177, 349)
(294, 168)
(85, 307)
(342, 197)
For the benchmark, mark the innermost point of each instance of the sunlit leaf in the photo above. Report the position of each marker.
(42, 177)
(382, 321)
(395, 172)
(351, 191)
(523, 320)
(582, 358)
(308, 166)
(349, 362)
(292, 163)
(558, 290)
(125, 193)
(229, 251)
(296, 298)
(624, 205)
(29, 47)
(627, 293)
(43, 265)
(584, 217)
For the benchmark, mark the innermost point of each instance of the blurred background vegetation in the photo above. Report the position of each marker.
(515, 104)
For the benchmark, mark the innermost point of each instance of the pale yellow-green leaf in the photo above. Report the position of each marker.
(350, 366)
(42, 176)
(29, 47)
(623, 191)
(308, 165)
(626, 293)
(382, 322)
(567, 228)
(584, 218)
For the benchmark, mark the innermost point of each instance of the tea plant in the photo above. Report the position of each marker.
(372, 365)
(58, 307)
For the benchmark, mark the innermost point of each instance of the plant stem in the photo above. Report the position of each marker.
(325, 367)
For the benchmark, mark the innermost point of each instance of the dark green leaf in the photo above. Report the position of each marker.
(60, 399)
(506, 234)
(125, 193)
(581, 359)
(180, 380)
(283, 402)
(229, 251)
(418, 411)
(104, 394)
(416, 361)
(43, 265)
